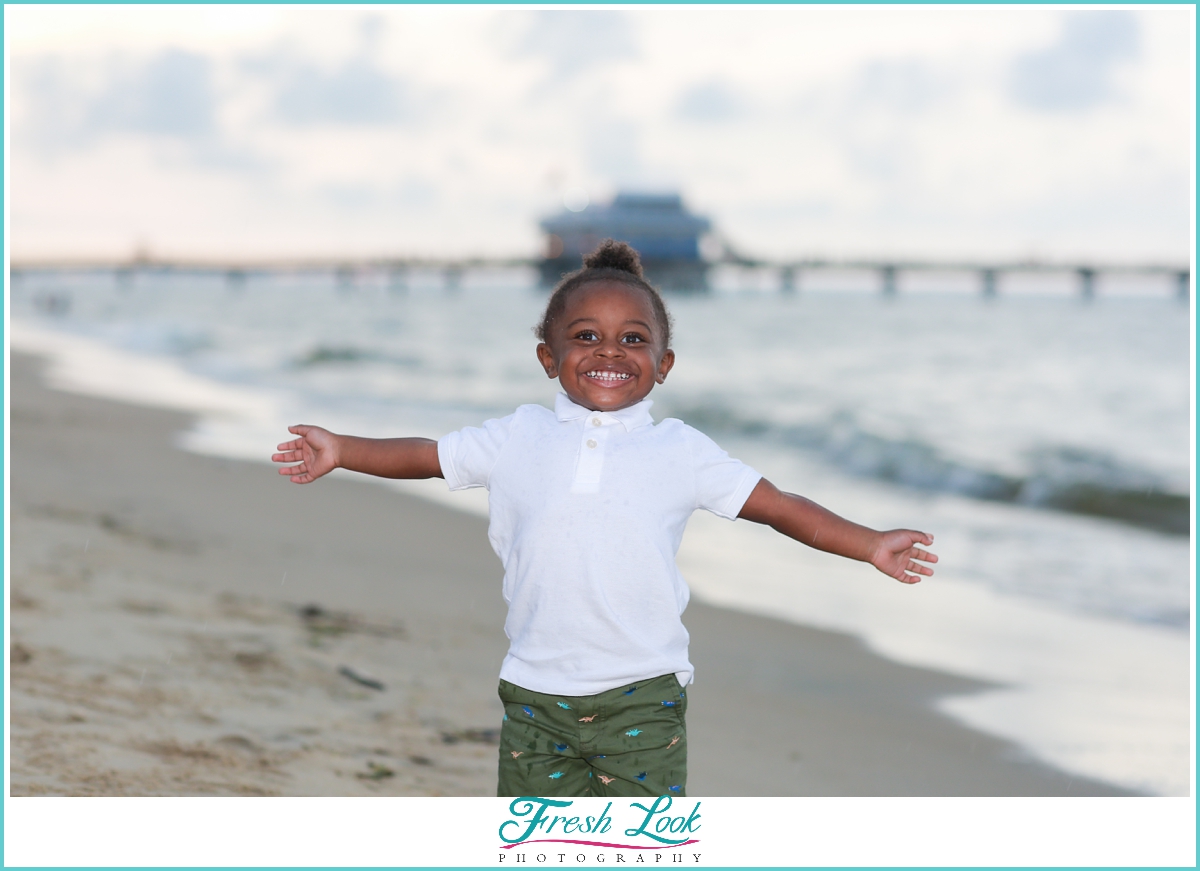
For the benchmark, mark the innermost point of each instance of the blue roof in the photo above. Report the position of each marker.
(657, 225)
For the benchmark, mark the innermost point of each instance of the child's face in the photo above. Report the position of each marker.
(606, 350)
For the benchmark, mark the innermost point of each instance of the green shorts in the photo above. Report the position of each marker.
(630, 741)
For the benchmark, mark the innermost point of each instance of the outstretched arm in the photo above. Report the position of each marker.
(893, 552)
(318, 452)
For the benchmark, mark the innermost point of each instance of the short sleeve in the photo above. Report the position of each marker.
(468, 456)
(723, 484)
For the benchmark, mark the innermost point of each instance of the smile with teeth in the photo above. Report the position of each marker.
(604, 375)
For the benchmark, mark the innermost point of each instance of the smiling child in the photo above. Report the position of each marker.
(588, 505)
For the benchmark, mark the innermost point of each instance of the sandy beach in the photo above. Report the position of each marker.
(186, 625)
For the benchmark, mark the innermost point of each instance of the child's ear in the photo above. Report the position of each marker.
(546, 358)
(664, 365)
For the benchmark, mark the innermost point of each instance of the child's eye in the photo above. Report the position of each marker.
(632, 339)
(586, 335)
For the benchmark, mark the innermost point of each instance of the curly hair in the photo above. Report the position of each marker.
(611, 261)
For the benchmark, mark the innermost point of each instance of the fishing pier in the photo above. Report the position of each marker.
(669, 238)
(789, 275)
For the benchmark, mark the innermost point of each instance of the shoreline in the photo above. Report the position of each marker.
(160, 647)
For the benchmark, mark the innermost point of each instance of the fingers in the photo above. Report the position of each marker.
(903, 577)
(317, 450)
(912, 573)
(298, 474)
(902, 539)
(902, 560)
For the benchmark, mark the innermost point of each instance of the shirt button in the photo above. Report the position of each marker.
(595, 421)
(591, 443)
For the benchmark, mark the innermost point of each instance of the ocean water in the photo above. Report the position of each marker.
(1045, 442)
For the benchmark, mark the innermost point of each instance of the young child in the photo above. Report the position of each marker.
(588, 504)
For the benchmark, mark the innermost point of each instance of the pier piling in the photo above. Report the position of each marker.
(888, 276)
(398, 279)
(1087, 283)
(787, 280)
(988, 278)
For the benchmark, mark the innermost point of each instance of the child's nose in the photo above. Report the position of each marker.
(611, 348)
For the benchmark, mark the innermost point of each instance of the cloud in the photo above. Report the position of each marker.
(613, 150)
(875, 116)
(1075, 73)
(574, 41)
(356, 197)
(710, 102)
(446, 124)
(169, 95)
(355, 94)
(905, 86)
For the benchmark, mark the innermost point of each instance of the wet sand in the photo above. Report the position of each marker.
(185, 625)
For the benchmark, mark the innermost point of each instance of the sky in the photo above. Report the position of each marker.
(275, 131)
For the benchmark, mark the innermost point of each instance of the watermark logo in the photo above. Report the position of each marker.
(655, 826)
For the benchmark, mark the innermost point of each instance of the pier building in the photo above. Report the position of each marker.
(658, 226)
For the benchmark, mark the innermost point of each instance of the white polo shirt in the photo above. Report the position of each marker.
(587, 512)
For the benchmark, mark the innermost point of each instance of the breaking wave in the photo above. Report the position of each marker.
(323, 355)
(1068, 479)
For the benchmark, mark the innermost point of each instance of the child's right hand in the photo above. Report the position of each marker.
(315, 451)
(897, 555)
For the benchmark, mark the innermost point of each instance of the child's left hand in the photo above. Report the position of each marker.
(897, 553)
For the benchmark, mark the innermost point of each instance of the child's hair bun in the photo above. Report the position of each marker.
(611, 261)
(612, 254)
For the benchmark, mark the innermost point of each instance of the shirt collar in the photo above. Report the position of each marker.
(631, 418)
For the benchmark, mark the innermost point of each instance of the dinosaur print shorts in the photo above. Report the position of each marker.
(630, 741)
